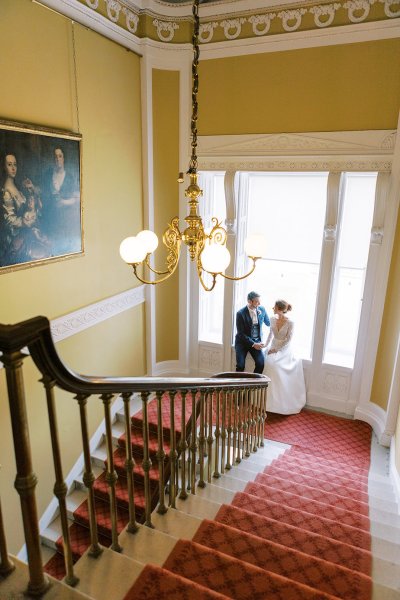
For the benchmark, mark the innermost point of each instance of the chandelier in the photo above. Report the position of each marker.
(207, 249)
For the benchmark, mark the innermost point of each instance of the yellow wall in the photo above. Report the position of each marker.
(333, 88)
(166, 195)
(36, 60)
(390, 331)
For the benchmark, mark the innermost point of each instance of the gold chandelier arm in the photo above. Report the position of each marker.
(147, 262)
(154, 282)
(200, 272)
(242, 276)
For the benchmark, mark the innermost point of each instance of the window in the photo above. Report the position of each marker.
(289, 209)
(354, 232)
(292, 210)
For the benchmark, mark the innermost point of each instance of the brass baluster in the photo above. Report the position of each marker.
(263, 414)
(60, 488)
(132, 527)
(146, 464)
(162, 509)
(247, 422)
(223, 432)
(235, 424)
(217, 435)
(258, 418)
(182, 446)
(6, 565)
(25, 480)
(210, 438)
(88, 477)
(111, 474)
(240, 426)
(202, 437)
(252, 421)
(193, 445)
(228, 465)
(173, 455)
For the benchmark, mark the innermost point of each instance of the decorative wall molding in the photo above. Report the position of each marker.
(338, 151)
(79, 320)
(206, 31)
(261, 23)
(211, 358)
(132, 20)
(291, 19)
(113, 9)
(324, 14)
(165, 29)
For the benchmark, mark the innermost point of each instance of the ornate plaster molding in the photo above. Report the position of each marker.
(261, 23)
(358, 10)
(169, 27)
(131, 19)
(388, 8)
(113, 9)
(232, 27)
(291, 19)
(340, 150)
(324, 14)
(79, 320)
(206, 31)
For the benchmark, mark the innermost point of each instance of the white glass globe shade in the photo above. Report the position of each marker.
(132, 251)
(215, 258)
(148, 239)
(255, 245)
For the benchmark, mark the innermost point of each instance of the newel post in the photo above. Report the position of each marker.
(25, 480)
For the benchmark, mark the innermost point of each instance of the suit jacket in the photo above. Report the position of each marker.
(244, 323)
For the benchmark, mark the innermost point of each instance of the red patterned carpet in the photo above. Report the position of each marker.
(299, 531)
(323, 435)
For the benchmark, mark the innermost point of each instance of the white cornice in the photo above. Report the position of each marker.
(345, 34)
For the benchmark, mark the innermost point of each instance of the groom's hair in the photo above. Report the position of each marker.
(252, 295)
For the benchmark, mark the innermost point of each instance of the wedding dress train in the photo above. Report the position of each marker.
(286, 393)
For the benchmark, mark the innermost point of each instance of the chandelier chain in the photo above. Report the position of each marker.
(195, 86)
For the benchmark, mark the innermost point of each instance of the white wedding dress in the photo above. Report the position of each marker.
(286, 393)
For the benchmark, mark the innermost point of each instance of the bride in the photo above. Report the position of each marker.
(287, 392)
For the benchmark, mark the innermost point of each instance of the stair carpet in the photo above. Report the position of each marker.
(195, 550)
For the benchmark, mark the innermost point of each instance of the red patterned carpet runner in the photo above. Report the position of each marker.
(299, 531)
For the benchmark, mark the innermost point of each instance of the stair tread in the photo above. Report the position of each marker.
(316, 572)
(155, 582)
(230, 576)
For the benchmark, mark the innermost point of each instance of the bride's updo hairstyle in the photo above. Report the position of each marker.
(283, 305)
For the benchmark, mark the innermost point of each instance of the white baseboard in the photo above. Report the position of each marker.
(374, 415)
(394, 474)
(170, 368)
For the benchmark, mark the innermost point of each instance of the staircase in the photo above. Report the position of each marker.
(281, 524)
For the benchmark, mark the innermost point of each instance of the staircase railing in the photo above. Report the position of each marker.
(222, 418)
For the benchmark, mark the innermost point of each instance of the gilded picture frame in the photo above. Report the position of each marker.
(41, 218)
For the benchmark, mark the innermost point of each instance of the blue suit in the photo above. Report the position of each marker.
(243, 340)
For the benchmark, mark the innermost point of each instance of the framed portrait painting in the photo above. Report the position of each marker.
(41, 203)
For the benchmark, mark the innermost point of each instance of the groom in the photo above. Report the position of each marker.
(249, 321)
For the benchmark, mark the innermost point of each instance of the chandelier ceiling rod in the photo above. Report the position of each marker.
(208, 250)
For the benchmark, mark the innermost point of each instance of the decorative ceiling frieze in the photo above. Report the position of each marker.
(152, 20)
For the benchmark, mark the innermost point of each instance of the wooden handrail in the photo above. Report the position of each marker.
(206, 395)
